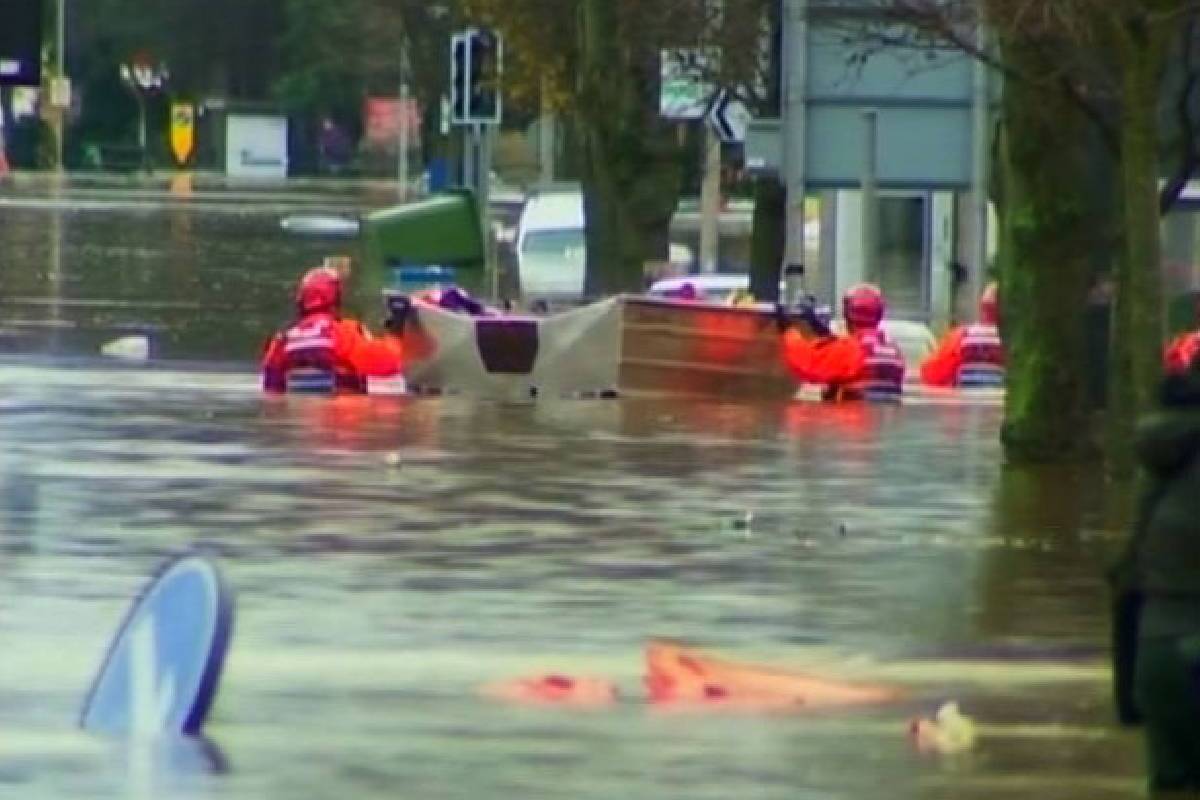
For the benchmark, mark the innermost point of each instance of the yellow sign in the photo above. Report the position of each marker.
(183, 131)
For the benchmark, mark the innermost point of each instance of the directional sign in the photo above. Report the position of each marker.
(684, 86)
(161, 672)
(20, 42)
(729, 117)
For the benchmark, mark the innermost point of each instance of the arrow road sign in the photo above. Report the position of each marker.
(161, 672)
(729, 117)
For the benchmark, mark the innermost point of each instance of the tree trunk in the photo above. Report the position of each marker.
(630, 163)
(1137, 329)
(767, 240)
(1046, 228)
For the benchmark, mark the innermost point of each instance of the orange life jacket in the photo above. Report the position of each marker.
(882, 377)
(982, 364)
(321, 354)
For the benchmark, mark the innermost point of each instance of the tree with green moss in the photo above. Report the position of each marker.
(1084, 83)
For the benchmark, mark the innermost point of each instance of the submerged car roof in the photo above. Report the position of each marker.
(553, 211)
(712, 282)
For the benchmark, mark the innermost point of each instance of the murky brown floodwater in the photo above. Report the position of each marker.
(392, 554)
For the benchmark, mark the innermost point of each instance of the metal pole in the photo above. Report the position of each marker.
(870, 197)
(60, 60)
(795, 118)
(710, 202)
(142, 126)
(980, 162)
(468, 157)
(485, 208)
(402, 143)
(546, 139)
(61, 40)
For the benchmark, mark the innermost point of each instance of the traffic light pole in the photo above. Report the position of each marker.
(486, 134)
(60, 62)
(402, 144)
(476, 57)
(795, 118)
(468, 157)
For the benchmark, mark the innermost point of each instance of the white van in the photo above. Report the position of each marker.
(550, 246)
(551, 249)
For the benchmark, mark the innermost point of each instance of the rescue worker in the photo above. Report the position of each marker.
(322, 352)
(970, 356)
(1156, 611)
(1181, 351)
(865, 364)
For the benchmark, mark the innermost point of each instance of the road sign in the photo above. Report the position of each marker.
(685, 89)
(161, 672)
(729, 117)
(20, 42)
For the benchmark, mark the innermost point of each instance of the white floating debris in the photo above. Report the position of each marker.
(128, 348)
(949, 732)
(319, 225)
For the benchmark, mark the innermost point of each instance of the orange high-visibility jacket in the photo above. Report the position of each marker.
(826, 360)
(1181, 352)
(322, 352)
(865, 365)
(968, 356)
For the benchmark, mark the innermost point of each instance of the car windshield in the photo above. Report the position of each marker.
(565, 244)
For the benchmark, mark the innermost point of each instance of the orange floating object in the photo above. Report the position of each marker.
(555, 689)
(679, 675)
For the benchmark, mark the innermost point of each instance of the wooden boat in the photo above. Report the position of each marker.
(623, 345)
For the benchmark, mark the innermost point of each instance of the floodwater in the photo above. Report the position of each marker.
(393, 554)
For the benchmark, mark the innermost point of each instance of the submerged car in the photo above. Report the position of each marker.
(551, 248)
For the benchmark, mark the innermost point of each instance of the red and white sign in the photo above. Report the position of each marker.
(383, 118)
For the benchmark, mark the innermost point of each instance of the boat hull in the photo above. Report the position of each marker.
(624, 345)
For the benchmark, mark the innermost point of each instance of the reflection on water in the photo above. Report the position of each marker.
(393, 554)
(209, 278)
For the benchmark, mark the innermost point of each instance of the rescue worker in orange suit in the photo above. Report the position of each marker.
(324, 353)
(865, 364)
(970, 356)
(1181, 352)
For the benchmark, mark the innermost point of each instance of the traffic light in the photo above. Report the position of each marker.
(475, 68)
(484, 67)
(459, 91)
(20, 42)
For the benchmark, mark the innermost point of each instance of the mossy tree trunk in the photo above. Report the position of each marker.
(1138, 317)
(631, 163)
(767, 241)
(1046, 228)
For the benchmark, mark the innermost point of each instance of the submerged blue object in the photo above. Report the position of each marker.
(411, 278)
(161, 672)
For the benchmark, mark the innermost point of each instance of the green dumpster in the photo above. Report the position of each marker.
(442, 232)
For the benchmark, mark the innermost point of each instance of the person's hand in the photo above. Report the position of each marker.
(782, 322)
(806, 312)
(399, 306)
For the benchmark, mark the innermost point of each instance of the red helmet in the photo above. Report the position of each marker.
(863, 306)
(320, 290)
(989, 305)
